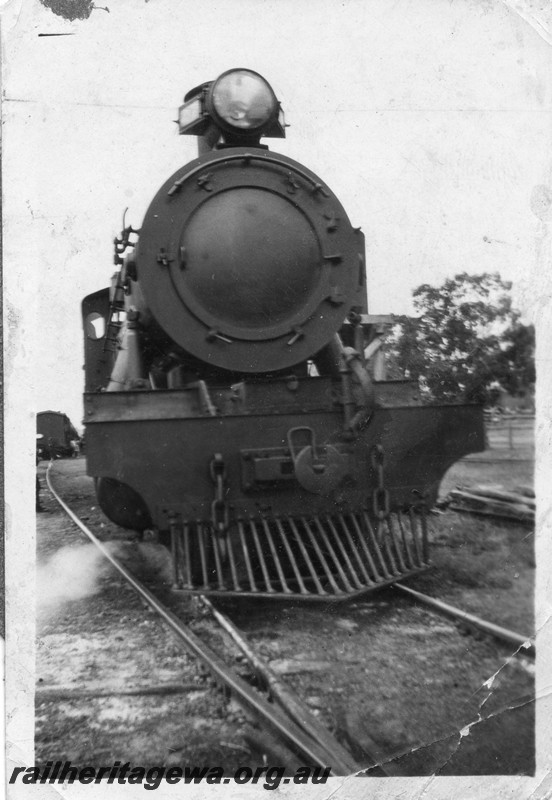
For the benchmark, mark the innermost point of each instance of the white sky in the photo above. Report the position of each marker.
(430, 120)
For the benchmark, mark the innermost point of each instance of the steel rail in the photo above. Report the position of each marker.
(287, 729)
(520, 642)
(291, 704)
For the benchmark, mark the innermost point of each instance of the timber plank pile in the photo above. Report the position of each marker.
(493, 500)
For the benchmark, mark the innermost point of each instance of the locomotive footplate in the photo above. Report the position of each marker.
(321, 557)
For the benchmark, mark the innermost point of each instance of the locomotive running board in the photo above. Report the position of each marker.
(315, 558)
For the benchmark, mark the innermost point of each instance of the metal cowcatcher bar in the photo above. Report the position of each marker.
(309, 557)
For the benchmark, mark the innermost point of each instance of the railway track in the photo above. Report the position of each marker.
(284, 714)
(507, 637)
(293, 722)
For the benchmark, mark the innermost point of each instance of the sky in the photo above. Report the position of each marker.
(430, 120)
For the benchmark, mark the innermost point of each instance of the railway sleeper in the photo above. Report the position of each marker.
(318, 557)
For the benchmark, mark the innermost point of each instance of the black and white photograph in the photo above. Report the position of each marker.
(277, 421)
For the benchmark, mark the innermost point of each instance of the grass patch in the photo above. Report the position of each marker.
(484, 565)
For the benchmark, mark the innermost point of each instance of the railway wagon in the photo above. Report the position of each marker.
(232, 400)
(56, 433)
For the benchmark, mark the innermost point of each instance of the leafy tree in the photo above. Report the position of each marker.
(467, 343)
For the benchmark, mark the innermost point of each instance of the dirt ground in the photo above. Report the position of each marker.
(383, 674)
(95, 633)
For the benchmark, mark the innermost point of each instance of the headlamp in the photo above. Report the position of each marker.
(243, 100)
(240, 104)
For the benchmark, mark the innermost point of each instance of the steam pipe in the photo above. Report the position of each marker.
(128, 367)
(338, 360)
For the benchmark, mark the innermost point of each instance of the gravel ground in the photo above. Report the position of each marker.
(95, 633)
(381, 673)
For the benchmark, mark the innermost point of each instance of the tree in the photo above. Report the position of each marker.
(467, 343)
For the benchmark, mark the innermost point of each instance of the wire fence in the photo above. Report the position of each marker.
(511, 432)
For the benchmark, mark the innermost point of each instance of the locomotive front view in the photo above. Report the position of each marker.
(232, 400)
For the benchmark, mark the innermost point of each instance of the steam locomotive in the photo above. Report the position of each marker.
(234, 397)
